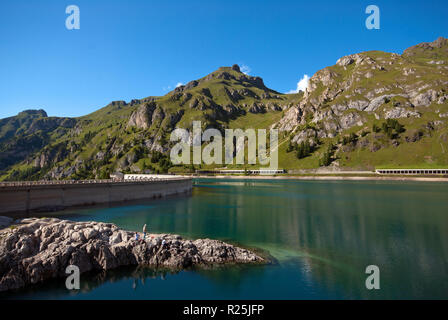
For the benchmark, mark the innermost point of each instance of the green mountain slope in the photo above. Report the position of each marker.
(28, 132)
(134, 136)
(372, 109)
(376, 109)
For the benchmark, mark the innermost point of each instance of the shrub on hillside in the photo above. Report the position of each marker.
(304, 149)
(327, 157)
(392, 128)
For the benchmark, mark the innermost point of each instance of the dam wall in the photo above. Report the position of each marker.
(50, 196)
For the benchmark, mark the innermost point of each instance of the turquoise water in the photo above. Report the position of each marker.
(323, 235)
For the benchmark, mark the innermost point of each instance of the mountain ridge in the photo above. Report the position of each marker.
(359, 92)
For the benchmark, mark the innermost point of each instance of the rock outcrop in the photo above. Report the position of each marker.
(39, 249)
(428, 49)
(142, 117)
(398, 112)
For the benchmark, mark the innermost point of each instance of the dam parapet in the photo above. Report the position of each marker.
(40, 196)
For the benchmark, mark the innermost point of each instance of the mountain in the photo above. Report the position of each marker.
(371, 109)
(377, 109)
(134, 136)
(28, 132)
(222, 96)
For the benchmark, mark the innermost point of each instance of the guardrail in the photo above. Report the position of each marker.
(77, 182)
(413, 171)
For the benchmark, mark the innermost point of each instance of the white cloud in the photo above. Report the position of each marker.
(245, 69)
(302, 84)
(169, 88)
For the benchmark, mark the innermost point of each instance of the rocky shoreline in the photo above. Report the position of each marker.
(33, 250)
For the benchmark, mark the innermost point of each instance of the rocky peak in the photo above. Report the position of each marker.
(440, 42)
(228, 74)
(119, 103)
(33, 112)
(434, 49)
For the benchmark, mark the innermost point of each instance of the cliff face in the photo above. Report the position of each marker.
(369, 109)
(36, 250)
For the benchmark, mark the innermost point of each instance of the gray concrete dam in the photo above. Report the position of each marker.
(22, 197)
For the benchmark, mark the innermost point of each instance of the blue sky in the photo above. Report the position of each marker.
(135, 48)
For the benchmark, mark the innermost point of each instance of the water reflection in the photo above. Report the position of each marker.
(323, 234)
(142, 283)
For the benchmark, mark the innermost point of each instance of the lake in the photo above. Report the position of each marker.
(322, 234)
